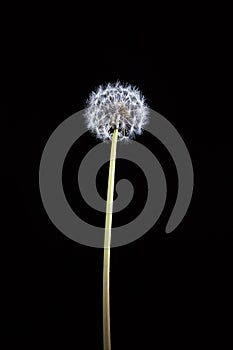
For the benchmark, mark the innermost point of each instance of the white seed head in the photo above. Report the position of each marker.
(119, 106)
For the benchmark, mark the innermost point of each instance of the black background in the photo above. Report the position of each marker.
(165, 289)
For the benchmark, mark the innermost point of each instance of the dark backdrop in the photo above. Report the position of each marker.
(170, 288)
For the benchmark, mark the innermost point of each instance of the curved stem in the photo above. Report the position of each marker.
(107, 243)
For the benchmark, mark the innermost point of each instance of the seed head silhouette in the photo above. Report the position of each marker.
(117, 105)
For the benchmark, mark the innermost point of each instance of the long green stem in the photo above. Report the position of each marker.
(107, 243)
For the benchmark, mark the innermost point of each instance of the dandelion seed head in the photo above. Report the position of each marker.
(119, 106)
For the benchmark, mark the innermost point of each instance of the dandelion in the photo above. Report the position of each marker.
(116, 112)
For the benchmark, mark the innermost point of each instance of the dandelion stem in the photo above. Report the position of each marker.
(107, 243)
